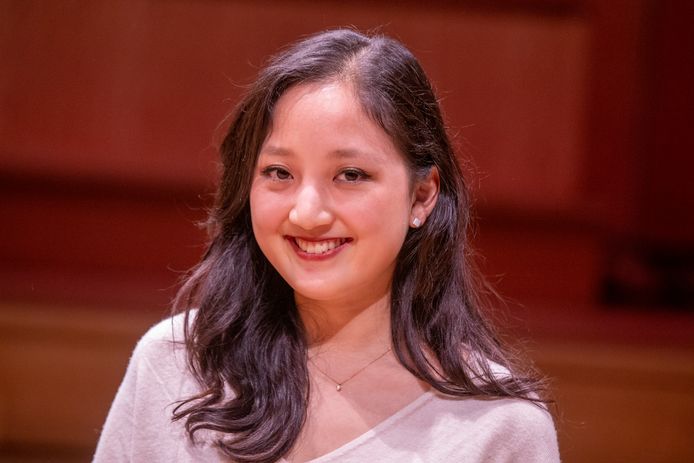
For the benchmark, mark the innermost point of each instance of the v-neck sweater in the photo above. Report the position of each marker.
(432, 428)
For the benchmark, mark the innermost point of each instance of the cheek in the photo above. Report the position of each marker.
(384, 215)
(266, 212)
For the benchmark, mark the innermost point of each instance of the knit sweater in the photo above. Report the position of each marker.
(433, 428)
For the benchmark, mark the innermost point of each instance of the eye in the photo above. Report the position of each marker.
(352, 175)
(276, 173)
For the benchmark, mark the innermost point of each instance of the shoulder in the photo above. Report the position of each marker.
(520, 417)
(170, 329)
(160, 362)
(139, 421)
(166, 338)
(525, 429)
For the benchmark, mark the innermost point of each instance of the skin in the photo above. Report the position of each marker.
(331, 203)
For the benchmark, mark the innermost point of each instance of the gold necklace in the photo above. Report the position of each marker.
(338, 384)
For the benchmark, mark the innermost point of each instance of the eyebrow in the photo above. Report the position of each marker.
(275, 151)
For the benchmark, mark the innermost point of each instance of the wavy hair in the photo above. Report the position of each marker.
(246, 343)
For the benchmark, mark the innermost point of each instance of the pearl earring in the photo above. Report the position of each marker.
(416, 222)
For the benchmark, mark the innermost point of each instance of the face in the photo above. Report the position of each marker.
(331, 198)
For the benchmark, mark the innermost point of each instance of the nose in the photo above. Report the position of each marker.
(310, 209)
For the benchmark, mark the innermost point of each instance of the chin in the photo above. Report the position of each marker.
(319, 292)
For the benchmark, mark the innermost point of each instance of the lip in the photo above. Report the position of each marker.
(317, 257)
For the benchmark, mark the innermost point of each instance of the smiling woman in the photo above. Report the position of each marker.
(335, 315)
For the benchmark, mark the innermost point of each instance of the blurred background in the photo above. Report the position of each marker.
(573, 119)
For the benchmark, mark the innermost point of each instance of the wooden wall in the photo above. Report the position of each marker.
(571, 117)
(110, 115)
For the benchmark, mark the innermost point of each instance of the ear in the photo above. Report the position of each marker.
(424, 196)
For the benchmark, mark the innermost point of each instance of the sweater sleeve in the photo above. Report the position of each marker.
(544, 446)
(139, 426)
(116, 436)
(529, 435)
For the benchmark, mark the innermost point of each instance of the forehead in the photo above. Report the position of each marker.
(325, 117)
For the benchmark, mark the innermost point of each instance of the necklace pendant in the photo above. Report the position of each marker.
(339, 387)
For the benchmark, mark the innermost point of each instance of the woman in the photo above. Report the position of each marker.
(335, 315)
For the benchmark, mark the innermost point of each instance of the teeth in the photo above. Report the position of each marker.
(321, 247)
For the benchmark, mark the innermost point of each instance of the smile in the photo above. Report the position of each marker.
(318, 248)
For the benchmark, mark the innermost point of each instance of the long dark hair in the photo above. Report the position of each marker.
(246, 343)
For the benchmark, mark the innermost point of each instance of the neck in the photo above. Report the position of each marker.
(354, 325)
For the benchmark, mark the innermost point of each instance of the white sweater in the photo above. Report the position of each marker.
(433, 428)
